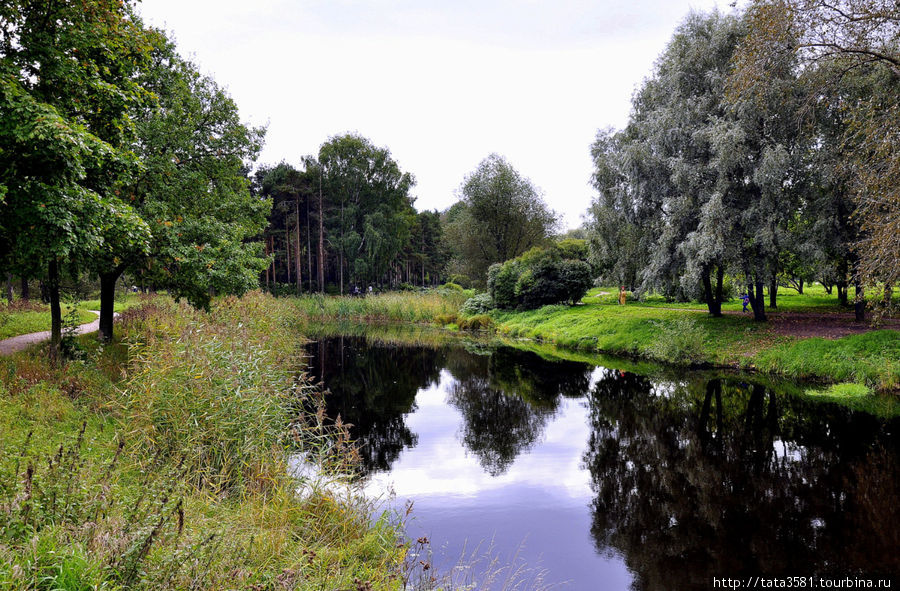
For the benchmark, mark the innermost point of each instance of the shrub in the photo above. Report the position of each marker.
(479, 322)
(501, 282)
(537, 278)
(478, 304)
(464, 280)
(450, 286)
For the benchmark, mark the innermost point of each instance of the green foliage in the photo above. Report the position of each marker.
(539, 277)
(500, 216)
(481, 303)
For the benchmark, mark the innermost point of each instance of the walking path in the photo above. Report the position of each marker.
(15, 344)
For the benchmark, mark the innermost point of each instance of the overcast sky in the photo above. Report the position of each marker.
(442, 84)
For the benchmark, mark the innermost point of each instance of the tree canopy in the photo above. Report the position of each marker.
(500, 215)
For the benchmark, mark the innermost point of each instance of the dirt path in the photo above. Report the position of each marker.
(826, 325)
(15, 344)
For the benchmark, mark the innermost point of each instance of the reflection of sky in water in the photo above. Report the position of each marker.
(537, 510)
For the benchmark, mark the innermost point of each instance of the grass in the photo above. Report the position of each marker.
(405, 307)
(34, 316)
(163, 461)
(672, 333)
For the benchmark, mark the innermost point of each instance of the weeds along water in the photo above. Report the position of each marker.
(161, 462)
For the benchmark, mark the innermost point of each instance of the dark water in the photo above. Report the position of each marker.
(611, 480)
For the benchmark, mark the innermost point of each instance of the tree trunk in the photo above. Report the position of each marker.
(9, 288)
(108, 303)
(859, 303)
(828, 288)
(26, 294)
(842, 293)
(298, 258)
(321, 260)
(55, 312)
(757, 301)
(773, 292)
(267, 267)
(713, 304)
(287, 252)
(800, 290)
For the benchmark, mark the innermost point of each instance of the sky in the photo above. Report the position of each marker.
(442, 84)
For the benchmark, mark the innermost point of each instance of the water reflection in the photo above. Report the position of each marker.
(609, 474)
(723, 478)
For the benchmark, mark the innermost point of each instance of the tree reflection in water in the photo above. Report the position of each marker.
(506, 399)
(373, 388)
(722, 478)
(692, 479)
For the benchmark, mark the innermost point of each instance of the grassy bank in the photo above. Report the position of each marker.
(672, 333)
(163, 461)
(685, 334)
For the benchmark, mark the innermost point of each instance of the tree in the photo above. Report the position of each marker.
(841, 43)
(370, 208)
(68, 75)
(696, 183)
(193, 192)
(502, 215)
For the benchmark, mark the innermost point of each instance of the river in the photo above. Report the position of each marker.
(543, 472)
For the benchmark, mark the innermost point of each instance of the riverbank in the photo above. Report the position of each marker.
(167, 459)
(809, 337)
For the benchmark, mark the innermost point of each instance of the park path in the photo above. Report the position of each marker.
(17, 343)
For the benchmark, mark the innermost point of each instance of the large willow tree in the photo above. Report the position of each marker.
(698, 185)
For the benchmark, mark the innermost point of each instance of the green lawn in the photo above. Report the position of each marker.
(36, 317)
(684, 333)
(16, 322)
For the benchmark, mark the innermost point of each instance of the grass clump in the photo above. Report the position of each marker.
(680, 341)
(478, 322)
(858, 397)
(412, 307)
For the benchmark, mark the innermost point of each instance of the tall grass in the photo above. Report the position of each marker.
(167, 466)
(387, 307)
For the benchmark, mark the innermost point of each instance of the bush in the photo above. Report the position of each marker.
(479, 322)
(501, 283)
(479, 304)
(450, 286)
(464, 280)
(537, 278)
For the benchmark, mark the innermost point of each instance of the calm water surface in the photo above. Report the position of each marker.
(604, 479)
